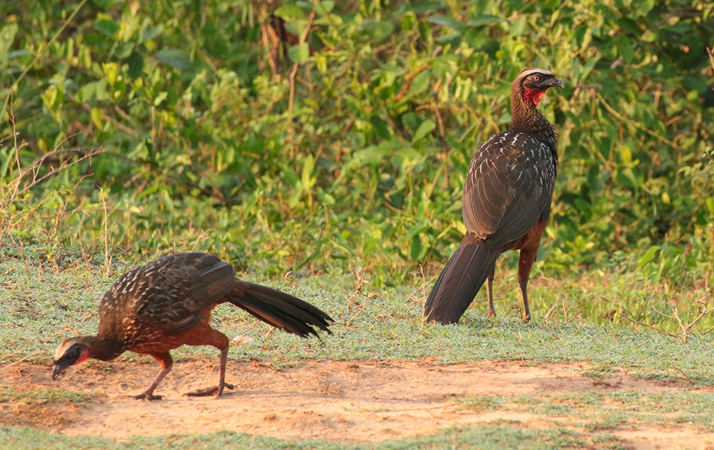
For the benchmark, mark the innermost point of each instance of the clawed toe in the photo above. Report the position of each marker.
(202, 392)
(147, 397)
(215, 390)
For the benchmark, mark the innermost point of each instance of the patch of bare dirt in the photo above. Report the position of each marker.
(343, 401)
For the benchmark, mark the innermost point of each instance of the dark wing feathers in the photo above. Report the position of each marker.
(508, 188)
(169, 292)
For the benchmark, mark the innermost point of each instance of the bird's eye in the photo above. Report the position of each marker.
(536, 78)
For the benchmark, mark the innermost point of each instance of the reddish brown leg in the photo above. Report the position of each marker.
(489, 288)
(525, 264)
(165, 361)
(220, 341)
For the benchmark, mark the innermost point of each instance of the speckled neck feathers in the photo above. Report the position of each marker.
(527, 117)
(102, 348)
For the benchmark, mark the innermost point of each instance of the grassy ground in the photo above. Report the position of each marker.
(46, 296)
(479, 437)
(44, 301)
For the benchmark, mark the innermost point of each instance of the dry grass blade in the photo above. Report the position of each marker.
(32, 176)
(685, 329)
(358, 289)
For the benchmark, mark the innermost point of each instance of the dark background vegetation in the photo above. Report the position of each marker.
(323, 136)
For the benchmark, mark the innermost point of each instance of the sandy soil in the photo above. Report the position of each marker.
(343, 401)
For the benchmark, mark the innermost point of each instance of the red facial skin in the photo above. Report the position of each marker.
(83, 357)
(534, 95)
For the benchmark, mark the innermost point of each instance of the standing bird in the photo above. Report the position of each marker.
(506, 204)
(167, 303)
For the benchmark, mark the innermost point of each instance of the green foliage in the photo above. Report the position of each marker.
(351, 153)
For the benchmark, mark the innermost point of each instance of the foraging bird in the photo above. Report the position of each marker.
(506, 203)
(167, 303)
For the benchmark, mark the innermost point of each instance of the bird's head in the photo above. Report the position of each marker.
(70, 352)
(531, 85)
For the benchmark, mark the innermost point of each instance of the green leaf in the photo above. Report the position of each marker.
(296, 26)
(380, 127)
(324, 7)
(19, 53)
(151, 33)
(415, 248)
(475, 37)
(308, 166)
(517, 27)
(710, 204)
(135, 63)
(425, 128)
(420, 83)
(289, 12)
(299, 53)
(374, 154)
(295, 197)
(447, 22)
(175, 57)
(49, 97)
(160, 98)
(411, 121)
(108, 28)
(452, 38)
(5, 165)
(647, 257)
(97, 117)
(7, 37)
(379, 31)
(425, 7)
(482, 19)
(624, 47)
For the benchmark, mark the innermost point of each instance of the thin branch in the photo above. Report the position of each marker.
(358, 289)
(303, 37)
(635, 124)
(54, 171)
(107, 257)
(633, 320)
(408, 80)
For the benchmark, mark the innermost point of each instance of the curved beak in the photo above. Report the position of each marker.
(58, 368)
(554, 82)
(70, 357)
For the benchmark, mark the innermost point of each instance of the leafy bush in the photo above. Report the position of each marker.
(335, 136)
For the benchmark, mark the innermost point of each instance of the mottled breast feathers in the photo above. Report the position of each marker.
(509, 187)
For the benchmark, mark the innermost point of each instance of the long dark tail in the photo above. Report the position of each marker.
(279, 309)
(460, 281)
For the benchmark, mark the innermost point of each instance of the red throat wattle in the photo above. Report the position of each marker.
(82, 357)
(534, 95)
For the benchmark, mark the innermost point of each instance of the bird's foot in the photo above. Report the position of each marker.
(146, 396)
(491, 314)
(215, 390)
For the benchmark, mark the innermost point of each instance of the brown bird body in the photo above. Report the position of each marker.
(167, 303)
(506, 202)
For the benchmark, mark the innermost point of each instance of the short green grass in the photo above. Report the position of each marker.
(42, 302)
(501, 435)
(606, 410)
(46, 296)
(43, 395)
